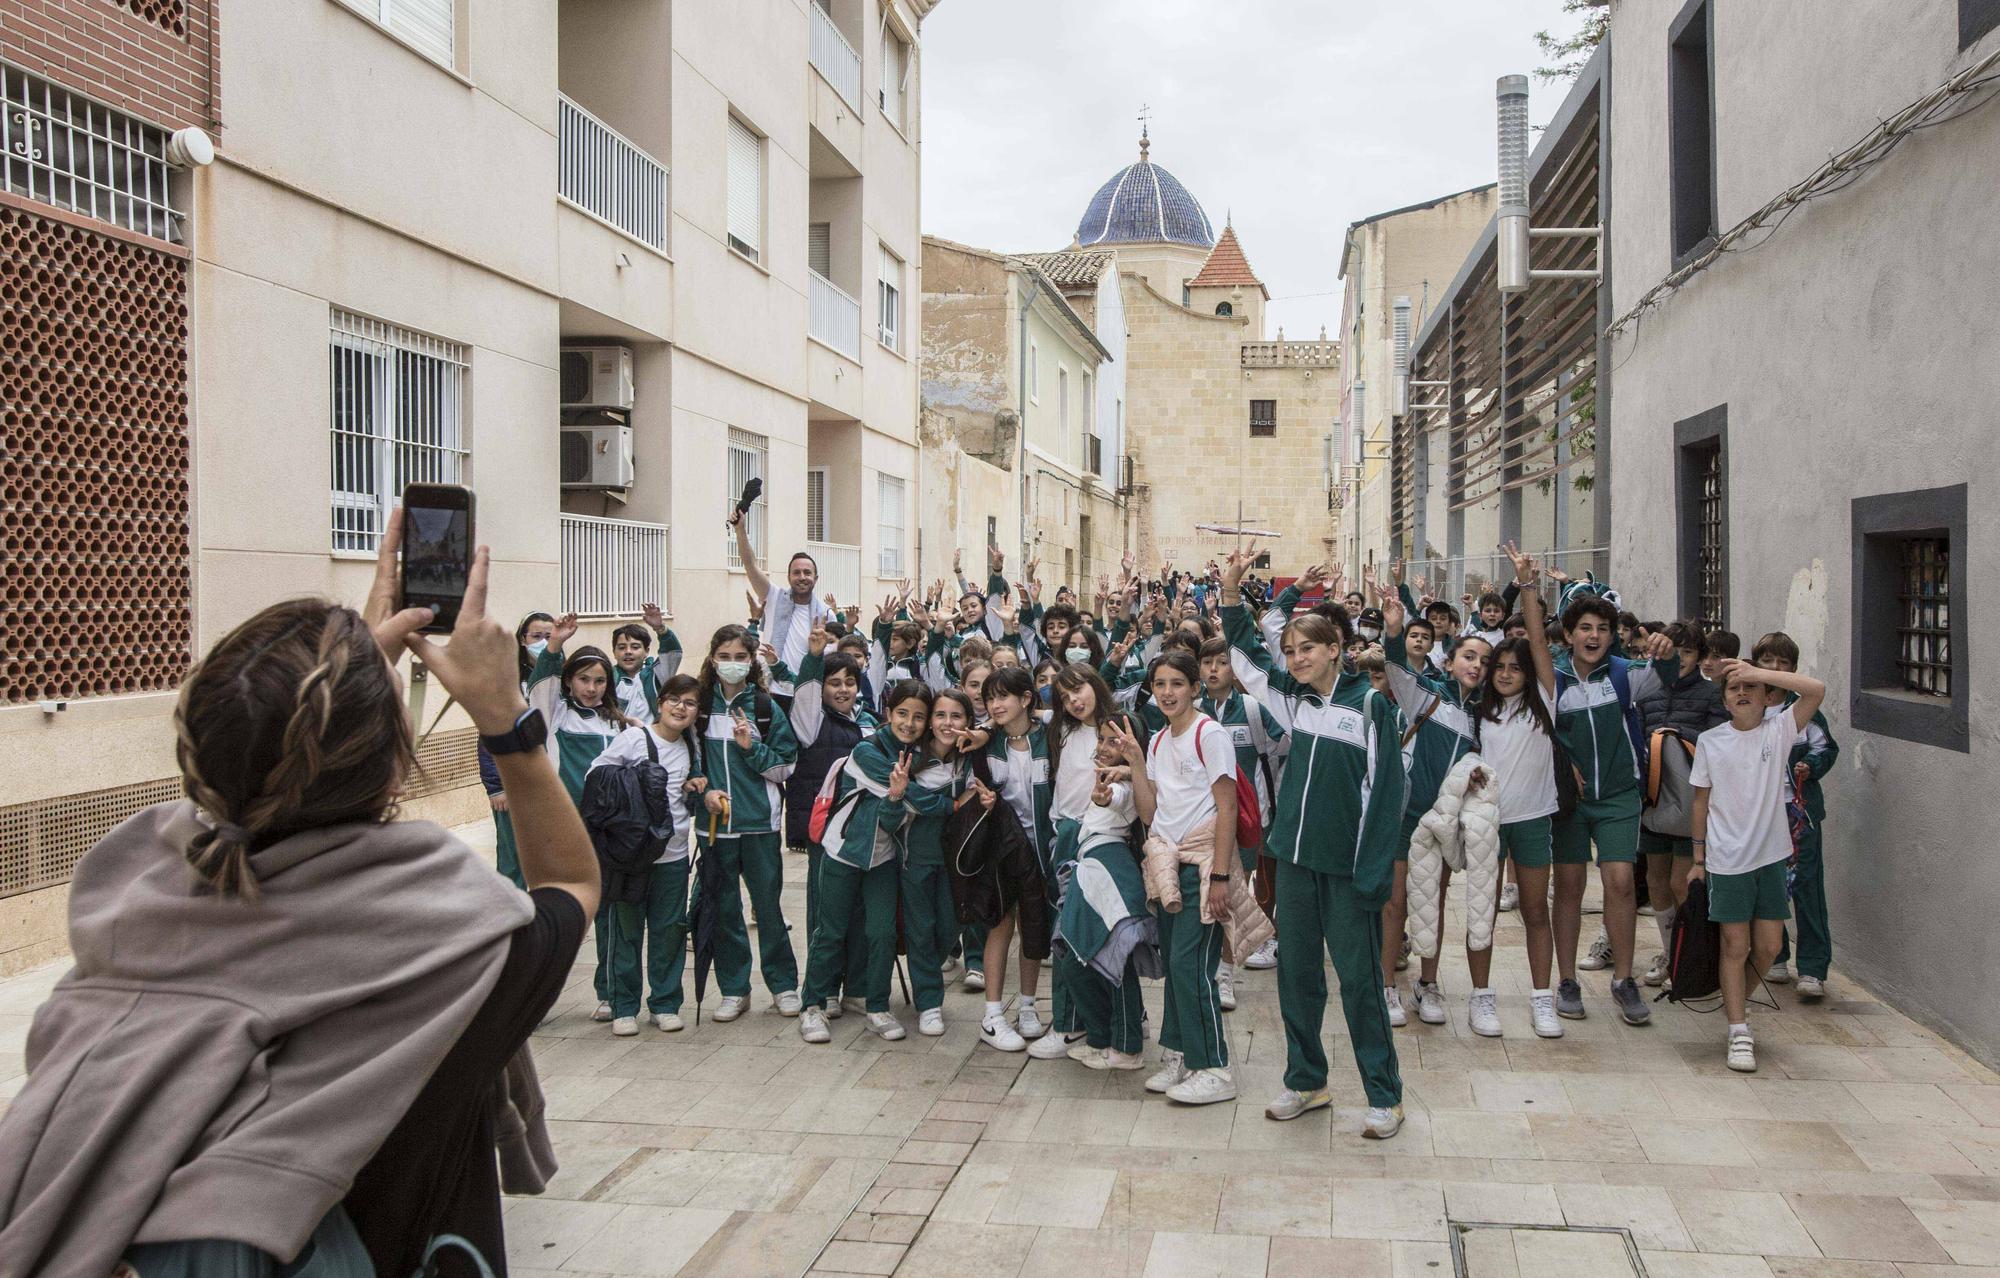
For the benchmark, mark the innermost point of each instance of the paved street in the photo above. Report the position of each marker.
(1865, 1147)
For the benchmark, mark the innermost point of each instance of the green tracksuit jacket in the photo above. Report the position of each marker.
(754, 778)
(1448, 735)
(1590, 722)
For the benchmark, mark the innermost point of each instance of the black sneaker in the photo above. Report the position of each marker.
(1569, 1000)
(1633, 1008)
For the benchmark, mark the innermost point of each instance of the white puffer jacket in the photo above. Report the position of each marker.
(1462, 830)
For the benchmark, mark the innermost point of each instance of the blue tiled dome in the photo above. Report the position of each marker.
(1144, 204)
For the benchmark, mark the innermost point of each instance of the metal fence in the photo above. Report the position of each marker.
(611, 567)
(1449, 578)
(599, 170)
(839, 569)
(834, 317)
(835, 57)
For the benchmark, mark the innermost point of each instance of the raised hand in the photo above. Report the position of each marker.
(655, 618)
(564, 631)
(740, 730)
(768, 653)
(957, 563)
(817, 641)
(756, 606)
(1238, 563)
(1125, 743)
(899, 777)
(984, 793)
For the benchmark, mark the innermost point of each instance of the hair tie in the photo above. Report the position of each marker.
(232, 833)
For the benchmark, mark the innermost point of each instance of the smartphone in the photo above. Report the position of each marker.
(437, 550)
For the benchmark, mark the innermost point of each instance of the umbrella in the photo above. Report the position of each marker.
(703, 909)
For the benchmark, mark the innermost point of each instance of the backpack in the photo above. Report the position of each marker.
(1669, 798)
(760, 713)
(1694, 957)
(1249, 814)
(824, 808)
(1635, 726)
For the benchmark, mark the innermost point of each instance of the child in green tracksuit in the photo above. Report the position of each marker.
(747, 752)
(1339, 808)
(639, 675)
(930, 916)
(1813, 755)
(1259, 742)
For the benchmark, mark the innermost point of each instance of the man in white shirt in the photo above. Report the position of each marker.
(790, 612)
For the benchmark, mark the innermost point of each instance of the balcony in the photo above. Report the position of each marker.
(839, 566)
(602, 173)
(1291, 354)
(834, 57)
(612, 567)
(834, 317)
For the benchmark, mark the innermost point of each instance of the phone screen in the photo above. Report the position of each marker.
(437, 550)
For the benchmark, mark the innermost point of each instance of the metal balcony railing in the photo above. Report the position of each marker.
(600, 171)
(839, 566)
(612, 567)
(834, 57)
(835, 318)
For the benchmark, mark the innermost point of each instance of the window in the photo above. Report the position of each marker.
(397, 402)
(815, 504)
(992, 530)
(1909, 654)
(427, 24)
(749, 458)
(1691, 130)
(1975, 19)
(746, 190)
(1263, 417)
(1062, 413)
(888, 526)
(889, 302)
(69, 152)
(819, 249)
(1224, 308)
(1701, 485)
(1034, 374)
(896, 66)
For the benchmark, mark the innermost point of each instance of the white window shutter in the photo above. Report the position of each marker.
(746, 188)
(815, 505)
(425, 23)
(819, 249)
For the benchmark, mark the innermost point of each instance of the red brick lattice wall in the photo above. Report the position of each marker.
(151, 58)
(171, 14)
(94, 539)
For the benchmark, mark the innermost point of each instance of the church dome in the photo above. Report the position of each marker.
(1144, 204)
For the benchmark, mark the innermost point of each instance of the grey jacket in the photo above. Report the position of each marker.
(216, 1068)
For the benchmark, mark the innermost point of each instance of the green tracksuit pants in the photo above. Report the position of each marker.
(600, 936)
(753, 862)
(659, 924)
(842, 889)
(1191, 1022)
(506, 853)
(930, 925)
(972, 939)
(1322, 914)
(1062, 862)
(1809, 909)
(1109, 1014)
(857, 944)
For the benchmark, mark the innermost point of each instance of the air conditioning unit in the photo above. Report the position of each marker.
(597, 457)
(596, 377)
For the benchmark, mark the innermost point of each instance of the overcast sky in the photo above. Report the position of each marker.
(1300, 116)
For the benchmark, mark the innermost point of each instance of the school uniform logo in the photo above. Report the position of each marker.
(1333, 723)
(1586, 695)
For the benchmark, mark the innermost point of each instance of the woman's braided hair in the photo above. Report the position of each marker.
(293, 721)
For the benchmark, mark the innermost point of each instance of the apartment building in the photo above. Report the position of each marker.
(603, 260)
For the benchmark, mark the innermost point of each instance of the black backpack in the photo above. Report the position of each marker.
(1694, 959)
(622, 807)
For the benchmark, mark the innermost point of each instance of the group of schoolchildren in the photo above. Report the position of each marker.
(1173, 784)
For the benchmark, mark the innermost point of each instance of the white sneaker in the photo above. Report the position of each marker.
(1656, 975)
(1204, 1087)
(1542, 1007)
(1381, 1123)
(788, 1003)
(1811, 987)
(1780, 974)
(1742, 1054)
(1053, 1047)
(731, 1007)
(1290, 1104)
(1510, 897)
(671, 1022)
(1403, 955)
(1029, 1021)
(946, 969)
(835, 1009)
(1599, 955)
(975, 980)
(1265, 958)
(812, 1026)
(930, 1023)
(1225, 987)
(1647, 910)
(1482, 1013)
(602, 1014)
(996, 1033)
(1110, 1058)
(1430, 1003)
(1392, 998)
(885, 1026)
(625, 1026)
(1172, 1070)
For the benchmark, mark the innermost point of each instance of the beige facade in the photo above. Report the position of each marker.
(392, 211)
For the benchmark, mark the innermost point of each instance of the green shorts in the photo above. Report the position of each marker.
(1739, 898)
(1529, 842)
(1665, 844)
(1410, 820)
(1611, 824)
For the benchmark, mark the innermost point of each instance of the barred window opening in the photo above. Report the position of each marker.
(397, 407)
(64, 150)
(1923, 630)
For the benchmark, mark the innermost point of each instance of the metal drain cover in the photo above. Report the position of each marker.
(1492, 1249)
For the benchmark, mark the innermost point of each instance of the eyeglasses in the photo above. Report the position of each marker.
(681, 703)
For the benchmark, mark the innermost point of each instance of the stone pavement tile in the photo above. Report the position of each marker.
(942, 1129)
(1206, 1256)
(1793, 1144)
(914, 1176)
(563, 1057)
(840, 1187)
(730, 1140)
(932, 1153)
(1774, 1180)
(1689, 1264)
(1544, 1253)
(1437, 1089)
(975, 1089)
(1513, 1204)
(1822, 1061)
(1068, 1120)
(1534, 1171)
(1326, 1257)
(1853, 1228)
(1165, 1124)
(1985, 1189)
(1921, 1065)
(581, 1167)
(819, 1145)
(1585, 1138)
(759, 1182)
(1458, 1133)
(1981, 1100)
(761, 1245)
(844, 1257)
(1563, 1055)
(576, 1095)
(1980, 1144)
(1798, 1267)
(1017, 1117)
(1665, 1175)
(889, 1228)
(1419, 1259)
(845, 1112)
(1706, 1141)
(1886, 1184)
(921, 1071)
(950, 1250)
(1490, 1252)
(1948, 1271)
(548, 1231)
(973, 1194)
(1646, 1210)
(1497, 1093)
(1301, 1206)
(1970, 1231)
(1909, 1103)
(1726, 1096)
(1392, 1209)
(1100, 1253)
(1749, 1224)
(963, 1111)
(1812, 1099)
(744, 1066)
(1178, 1202)
(1615, 1094)
(635, 1100)
(1062, 1197)
(1904, 1147)
(650, 1241)
(647, 1135)
(667, 1178)
(736, 1104)
(825, 1071)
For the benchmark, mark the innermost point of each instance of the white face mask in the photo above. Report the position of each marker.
(538, 647)
(733, 671)
(1077, 654)
(1370, 633)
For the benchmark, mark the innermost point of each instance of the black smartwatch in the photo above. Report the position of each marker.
(529, 732)
(1218, 878)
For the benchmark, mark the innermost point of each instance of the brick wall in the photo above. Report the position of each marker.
(153, 58)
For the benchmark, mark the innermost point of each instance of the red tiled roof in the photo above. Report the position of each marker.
(1226, 266)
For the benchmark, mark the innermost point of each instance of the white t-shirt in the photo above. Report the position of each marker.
(1076, 775)
(1523, 759)
(1744, 773)
(1183, 775)
(1115, 817)
(629, 746)
(1017, 784)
